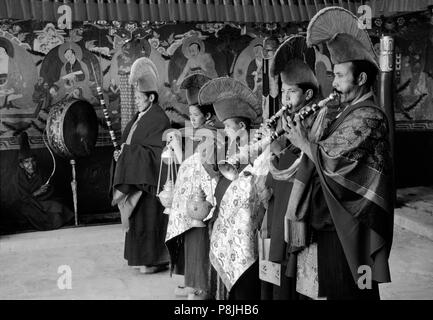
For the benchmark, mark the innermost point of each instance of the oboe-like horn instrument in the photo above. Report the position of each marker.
(229, 168)
(107, 118)
(105, 111)
(273, 120)
(316, 107)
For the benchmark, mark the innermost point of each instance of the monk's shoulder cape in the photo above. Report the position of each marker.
(353, 161)
(139, 161)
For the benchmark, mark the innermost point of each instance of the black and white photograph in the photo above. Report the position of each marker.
(234, 152)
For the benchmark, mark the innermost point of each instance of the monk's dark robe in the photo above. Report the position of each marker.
(43, 212)
(278, 250)
(137, 169)
(354, 179)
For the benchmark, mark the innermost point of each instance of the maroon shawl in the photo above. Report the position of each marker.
(354, 165)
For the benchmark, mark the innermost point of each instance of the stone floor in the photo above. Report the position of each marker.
(29, 267)
(415, 210)
(411, 264)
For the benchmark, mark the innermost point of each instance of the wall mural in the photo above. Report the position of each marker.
(41, 65)
(413, 34)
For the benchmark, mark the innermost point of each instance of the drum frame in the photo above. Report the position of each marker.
(55, 128)
(55, 122)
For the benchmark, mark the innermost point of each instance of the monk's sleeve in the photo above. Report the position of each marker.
(139, 164)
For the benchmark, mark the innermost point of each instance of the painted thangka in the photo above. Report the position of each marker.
(41, 65)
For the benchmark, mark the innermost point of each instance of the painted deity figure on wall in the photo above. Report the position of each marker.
(48, 39)
(199, 61)
(74, 70)
(8, 74)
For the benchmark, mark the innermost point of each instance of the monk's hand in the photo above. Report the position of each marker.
(42, 189)
(174, 142)
(296, 133)
(170, 136)
(275, 148)
(117, 153)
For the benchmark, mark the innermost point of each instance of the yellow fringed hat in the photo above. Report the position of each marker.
(193, 84)
(339, 29)
(289, 62)
(344, 47)
(231, 99)
(144, 75)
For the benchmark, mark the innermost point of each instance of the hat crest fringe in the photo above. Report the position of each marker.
(140, 67)
(227, 88)
(332, 20)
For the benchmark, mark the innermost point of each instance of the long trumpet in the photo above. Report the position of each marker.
(229, 167)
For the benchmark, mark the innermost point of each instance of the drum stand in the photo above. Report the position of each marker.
(74, 190)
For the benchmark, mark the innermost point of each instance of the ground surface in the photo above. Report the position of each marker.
(29, 265)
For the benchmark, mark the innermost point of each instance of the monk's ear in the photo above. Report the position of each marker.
(362, 78)
(152, 97)
(309, 94)
(20, 163)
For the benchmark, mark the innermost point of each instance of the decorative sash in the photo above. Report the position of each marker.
(233, 244)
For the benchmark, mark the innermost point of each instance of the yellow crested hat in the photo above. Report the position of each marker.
(231, 99)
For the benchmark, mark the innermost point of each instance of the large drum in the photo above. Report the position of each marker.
(72, 128)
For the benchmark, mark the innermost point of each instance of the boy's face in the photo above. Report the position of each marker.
(292, 95)
(29, 165)
(233, 128)
(197, 118)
